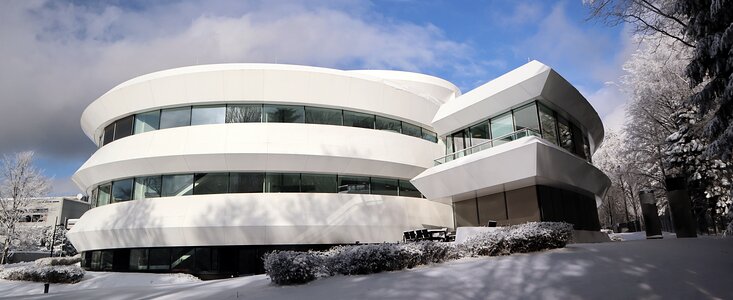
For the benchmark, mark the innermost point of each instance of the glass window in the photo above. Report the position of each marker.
(123, 127)
(323, 116)
(384, 186)
(586, 148)
(448, 144)
(408, 190)
(147, 187)
(353, 184)
(355, 119)
(122, 190)
(284, 114)
(93, 198)
(388, 124)
(175, 117)
(411, 130)
(138, 259)
(182, 260)
(429, 135)
(103, 197)
(147, 121)
(96, 259)
(566, 136)
(177, 185)
(282, 183)
(577, 140)
(246, 182)
(479, 133)
(201, 115)
(526, 117)
(211, 183)
(549, 127)
(159, 258)
(109, 134)
(246, 113)
(318, 183)
(501, 126)
(107, 260)
(206, 260)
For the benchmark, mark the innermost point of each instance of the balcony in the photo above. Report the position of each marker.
(488, 144)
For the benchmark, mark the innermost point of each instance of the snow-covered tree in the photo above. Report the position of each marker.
(20, 181)
(619, 205)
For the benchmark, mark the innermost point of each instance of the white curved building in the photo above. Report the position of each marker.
(203, 169)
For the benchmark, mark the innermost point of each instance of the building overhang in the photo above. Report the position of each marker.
(524, 162)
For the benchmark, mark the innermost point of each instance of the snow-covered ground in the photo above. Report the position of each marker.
(639, 235)
(648, 269)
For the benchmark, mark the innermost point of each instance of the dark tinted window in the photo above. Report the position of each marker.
(138, 259)
(175, 117)
(354, 184)
(159, 259)
(147, 121)
(566, 135)
(284, 114)
(177, 185)
(246, 113)
(549, 124)
(122, 190)
(355, 119)
(411, 130)
(388, 124)
(147, 187)
(246, 182)
(327, 116)
(211, 183)
(479, 133)
(182, 260)
(318, 183)
(383, 186)
(429, 135)
(408, 190)
(103, 194)
(123, 128)
(282, 183)
(109, 134)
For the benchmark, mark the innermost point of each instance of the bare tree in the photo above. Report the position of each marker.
(21, 181)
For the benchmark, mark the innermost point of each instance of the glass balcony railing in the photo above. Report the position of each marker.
(488, 144)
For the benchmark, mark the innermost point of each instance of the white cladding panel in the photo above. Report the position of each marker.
(256, 219)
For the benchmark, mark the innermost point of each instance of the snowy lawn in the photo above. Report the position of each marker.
(651, 269)
(639, 235)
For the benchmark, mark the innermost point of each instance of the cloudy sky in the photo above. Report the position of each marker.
(58, 56)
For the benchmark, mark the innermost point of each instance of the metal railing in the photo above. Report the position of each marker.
(488, 144)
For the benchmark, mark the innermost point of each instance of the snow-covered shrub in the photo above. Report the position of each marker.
(490, 243)
(537, 236)
(291, 267)
(51, 274)
(58, 261)
(437, 252)
(371, 258)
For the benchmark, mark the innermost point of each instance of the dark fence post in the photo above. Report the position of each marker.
(649, 212)
(679, 203)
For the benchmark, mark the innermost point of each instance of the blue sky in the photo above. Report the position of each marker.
(59, 56)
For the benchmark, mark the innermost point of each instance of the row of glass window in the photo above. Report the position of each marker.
(534, 116)
(255, 113)
(220, 183)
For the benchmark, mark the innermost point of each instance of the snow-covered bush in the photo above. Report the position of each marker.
(58, 261)
(51, 274)
(538, 236)
(371, 258)
(291, 267)
(490, 243)
(437, 252)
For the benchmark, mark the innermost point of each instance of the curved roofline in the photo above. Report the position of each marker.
(411, 76)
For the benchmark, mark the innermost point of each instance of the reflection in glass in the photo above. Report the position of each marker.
(388, 124)
(175, 117)
(479, 133)
(429, 135)
(282, 183)
(566, 136)
(245, 113)
(123, 127)
(138, 259)
(384, 186)
(326, 116)
(211, 183)
(549, 124)
(353, 184)
(177, 185)
(526, 117)
(246, 182)
(284, 114)
(201, 115)
(182, 260)
(109, 134)
(355, 119)
(159, 258)
(318, 183)
(122, 190)
(501, 126)
(459, 142)
(147, 121)
(408, 190)
(411, 130)
(103, 197)
(147, 187)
